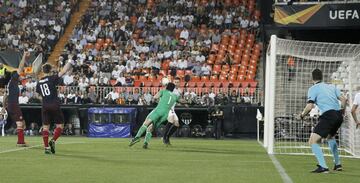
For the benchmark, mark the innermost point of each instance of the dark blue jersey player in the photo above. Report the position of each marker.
(51, 111)
(12, 101)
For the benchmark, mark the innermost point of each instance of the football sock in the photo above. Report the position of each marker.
(57, 133)
(20, 133)
(173, 129)
(334, 150)
(147, 137)
(167, 130)
(45, 135)
(319, 155)
(141, 131)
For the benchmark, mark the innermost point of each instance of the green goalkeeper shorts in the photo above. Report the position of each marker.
(158, 117)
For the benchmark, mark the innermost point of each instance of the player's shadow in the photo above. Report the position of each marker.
(215, 151)
(97, 159)
(71, 155)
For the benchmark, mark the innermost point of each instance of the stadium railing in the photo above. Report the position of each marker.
(283, 2)
(255, 94)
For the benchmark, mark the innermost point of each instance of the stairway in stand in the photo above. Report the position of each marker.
(74, 20)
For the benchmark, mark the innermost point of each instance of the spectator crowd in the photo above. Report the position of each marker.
(33, 25)
(118, 42)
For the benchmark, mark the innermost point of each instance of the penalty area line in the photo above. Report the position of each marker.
(31, 147)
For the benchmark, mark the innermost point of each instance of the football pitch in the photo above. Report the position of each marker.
(81, 159)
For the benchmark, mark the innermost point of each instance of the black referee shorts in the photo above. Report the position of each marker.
(329, 123)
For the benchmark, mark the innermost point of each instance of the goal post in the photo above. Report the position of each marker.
(289, 64)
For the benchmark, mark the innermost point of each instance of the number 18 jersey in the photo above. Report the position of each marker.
(46, 87)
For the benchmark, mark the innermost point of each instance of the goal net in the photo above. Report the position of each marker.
(288, 78)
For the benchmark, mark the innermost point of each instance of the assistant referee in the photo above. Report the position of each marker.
(326, 97)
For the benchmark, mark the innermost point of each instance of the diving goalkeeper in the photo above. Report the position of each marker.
(158, 116)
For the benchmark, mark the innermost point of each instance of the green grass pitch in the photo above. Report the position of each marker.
(81, 159)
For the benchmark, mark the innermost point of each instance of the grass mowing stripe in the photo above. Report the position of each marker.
(25, 148)
(285, 177)
(111, 161)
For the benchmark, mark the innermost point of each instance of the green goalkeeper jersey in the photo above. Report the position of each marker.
(167, 100)
(160, 113)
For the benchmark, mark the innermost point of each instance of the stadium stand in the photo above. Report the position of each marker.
(136, 43)
(33, 25)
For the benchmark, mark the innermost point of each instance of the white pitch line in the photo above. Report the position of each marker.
(284, 176)
(25, 148)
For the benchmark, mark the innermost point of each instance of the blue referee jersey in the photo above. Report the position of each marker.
(325, 96)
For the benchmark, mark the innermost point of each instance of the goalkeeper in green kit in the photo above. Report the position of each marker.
(158, 116)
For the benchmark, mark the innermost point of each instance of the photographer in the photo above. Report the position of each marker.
(217, 116)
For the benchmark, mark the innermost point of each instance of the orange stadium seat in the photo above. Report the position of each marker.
(232, 78)
(242, 72)
(236, 84)
(245, 57)
(200, 84)
(234, 68)
(244, 84)
(231, 48)
(238, 51)
(195, 78)
(217, 84)
(244, 63)
(142, 78)
(208, 84)
(236, 59)
(182, 84)
(240, 77)
(216, 69)
(156, 83)
(250, 77)
(225, 68)
(214, 78)
(147, 83)
(224, 73)
(232, 72)
(252, 91)
(252, 68)
(222, 78)
(191, 84)
(137, 83)
(204, 78)
(233, 42)
(225, 84)
(253, 62)
(253, 84)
